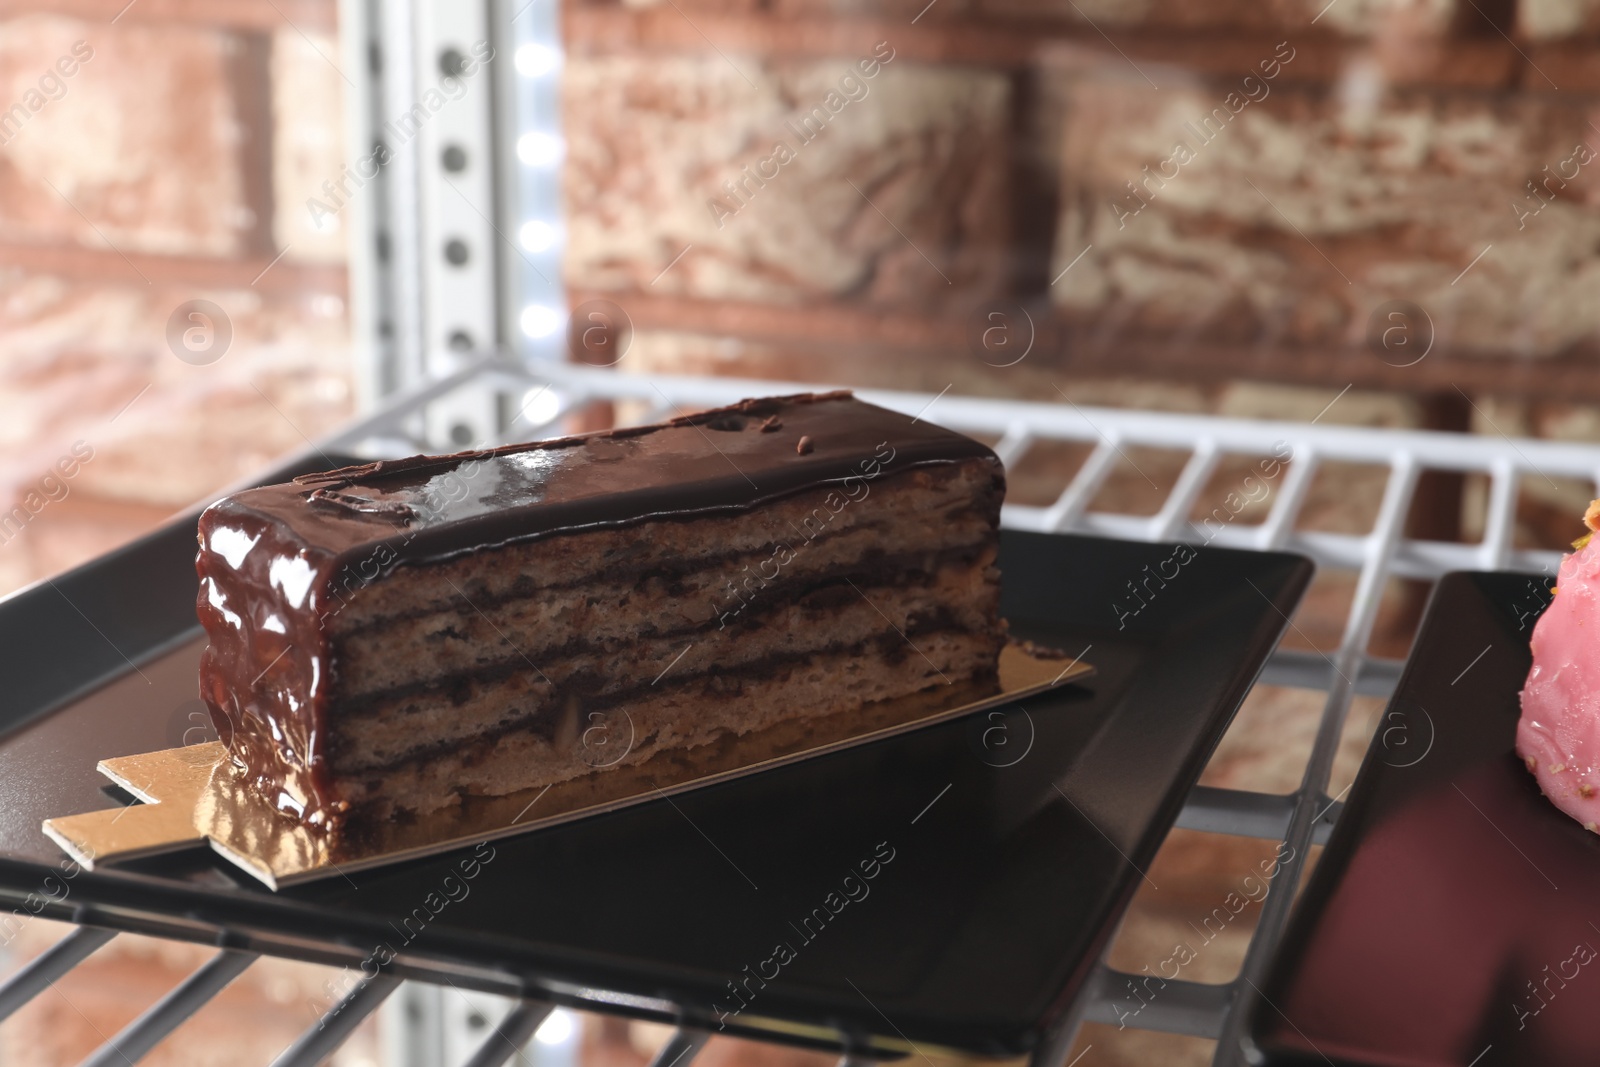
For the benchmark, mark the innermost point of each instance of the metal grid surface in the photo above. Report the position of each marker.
(544, 395)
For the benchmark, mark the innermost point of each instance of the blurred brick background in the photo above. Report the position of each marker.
(157, 173)
(1003, 154)
(1435, 151)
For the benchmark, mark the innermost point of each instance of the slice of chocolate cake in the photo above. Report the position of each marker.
(387, 638)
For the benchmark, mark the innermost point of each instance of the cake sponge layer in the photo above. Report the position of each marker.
(468, 705)
(694, 713)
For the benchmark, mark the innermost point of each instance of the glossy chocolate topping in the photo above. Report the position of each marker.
(276, 562)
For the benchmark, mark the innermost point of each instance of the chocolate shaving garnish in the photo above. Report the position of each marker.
(804, 447)
(394, 509)
(343, 474)
(772, 424)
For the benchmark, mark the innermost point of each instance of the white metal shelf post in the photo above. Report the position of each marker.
(457, 244)
(435, 265)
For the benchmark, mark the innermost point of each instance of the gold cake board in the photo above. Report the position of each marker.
(191, 794)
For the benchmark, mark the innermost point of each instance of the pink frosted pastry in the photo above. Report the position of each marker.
(1558, 736)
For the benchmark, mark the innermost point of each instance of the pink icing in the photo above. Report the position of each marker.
(1558, 736)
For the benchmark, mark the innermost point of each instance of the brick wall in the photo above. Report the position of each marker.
(143, 165)
(775, 172)
(833, 223)
(1377, 147)
(143, 162)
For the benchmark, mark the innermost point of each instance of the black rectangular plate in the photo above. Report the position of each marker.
(1013, 836)
(1449, 883)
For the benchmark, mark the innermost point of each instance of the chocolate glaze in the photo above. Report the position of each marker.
(276, 563)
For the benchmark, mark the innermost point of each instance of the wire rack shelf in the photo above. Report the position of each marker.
(543, 395)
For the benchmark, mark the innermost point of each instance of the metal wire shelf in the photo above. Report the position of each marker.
(559, 390)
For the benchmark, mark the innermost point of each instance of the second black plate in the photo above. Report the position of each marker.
(950, 886)
(1454, 917)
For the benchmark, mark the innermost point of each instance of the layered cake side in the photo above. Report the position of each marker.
(387, 638)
